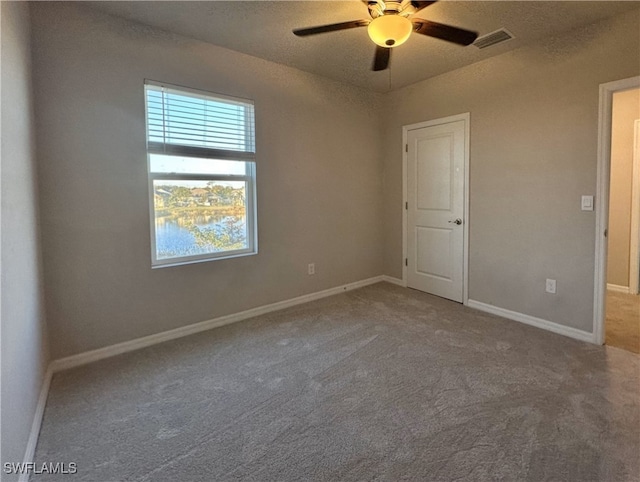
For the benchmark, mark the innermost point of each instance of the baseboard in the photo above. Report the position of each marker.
(618, 288)
(32, 442)
(138, 343)
(395, 281)
(533, 321)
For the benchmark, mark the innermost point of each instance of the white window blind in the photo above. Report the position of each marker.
(192, 123)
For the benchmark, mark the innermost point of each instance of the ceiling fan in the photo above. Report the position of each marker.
(391, 26)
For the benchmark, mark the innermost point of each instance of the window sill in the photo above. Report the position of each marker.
(171, 264)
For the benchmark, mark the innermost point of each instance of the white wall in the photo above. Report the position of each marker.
(625, 110)
(533, 153)
(318, 150)
(24, 341)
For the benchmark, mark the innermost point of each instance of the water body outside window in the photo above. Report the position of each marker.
(199, 217)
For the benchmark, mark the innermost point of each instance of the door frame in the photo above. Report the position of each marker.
(602, 199)
(466, 117)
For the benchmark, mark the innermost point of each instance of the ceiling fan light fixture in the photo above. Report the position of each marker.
(390, 30)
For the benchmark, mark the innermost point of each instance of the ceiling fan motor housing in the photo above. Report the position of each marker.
(378, 8)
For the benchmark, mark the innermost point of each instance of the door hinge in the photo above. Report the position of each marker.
(406, 261)
(606, 231)
(406, 148)
(406, 205)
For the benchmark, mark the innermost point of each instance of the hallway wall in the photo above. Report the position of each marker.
(626, 109)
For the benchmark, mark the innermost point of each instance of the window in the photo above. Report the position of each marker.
(201, 164)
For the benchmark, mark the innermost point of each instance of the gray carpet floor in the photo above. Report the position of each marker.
(380, 383)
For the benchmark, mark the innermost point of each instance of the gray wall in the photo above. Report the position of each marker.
(533, 153)
(318, 149)
(24, 341)
(323, 162)
(625, 110)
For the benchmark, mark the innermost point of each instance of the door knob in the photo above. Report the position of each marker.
(457, 221)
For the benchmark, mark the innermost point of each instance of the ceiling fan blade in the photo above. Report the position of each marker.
(420, 5)
(445, 32)
(381, 60)
(303, 32)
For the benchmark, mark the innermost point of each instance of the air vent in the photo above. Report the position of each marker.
(493, 38)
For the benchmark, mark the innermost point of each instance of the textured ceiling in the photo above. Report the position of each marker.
(263, 29)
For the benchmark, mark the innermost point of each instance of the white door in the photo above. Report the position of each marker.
(435, 210)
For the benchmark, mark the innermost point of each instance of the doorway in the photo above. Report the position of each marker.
(617, 304)
(435, 227)
(622, 313)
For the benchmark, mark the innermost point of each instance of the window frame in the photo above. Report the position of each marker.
(203, 153)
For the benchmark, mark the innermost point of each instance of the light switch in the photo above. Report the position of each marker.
(587, 203)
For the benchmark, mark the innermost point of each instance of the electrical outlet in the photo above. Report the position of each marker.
(312, 268)
(551, 286)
